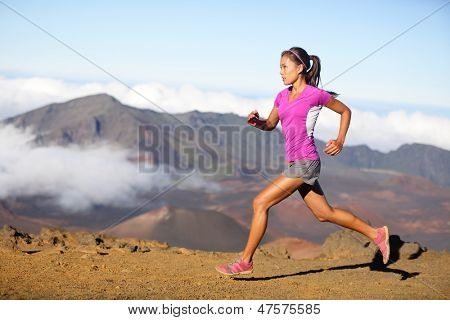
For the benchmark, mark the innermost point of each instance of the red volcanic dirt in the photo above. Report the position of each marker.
(78, 265)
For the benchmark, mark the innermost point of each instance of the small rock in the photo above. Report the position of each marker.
(94, 267)
(185, 251)
(144, 249)
(347, 243)
(131, 248)
(10, 232)
(53, 236)
(104, 247)
(121, 244)
(89, 239)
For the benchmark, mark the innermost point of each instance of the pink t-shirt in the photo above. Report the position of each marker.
(298, 119)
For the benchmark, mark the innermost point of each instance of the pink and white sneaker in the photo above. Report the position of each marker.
(382, 241)
(237, 267)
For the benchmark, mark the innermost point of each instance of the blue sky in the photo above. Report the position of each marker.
(232, 47)
(235, 45)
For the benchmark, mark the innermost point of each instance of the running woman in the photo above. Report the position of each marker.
(297, 107)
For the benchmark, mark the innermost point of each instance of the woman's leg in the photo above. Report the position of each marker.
(279, 189)
(317, 203)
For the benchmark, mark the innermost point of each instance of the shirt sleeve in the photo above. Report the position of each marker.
(277, 100)
(324, 97)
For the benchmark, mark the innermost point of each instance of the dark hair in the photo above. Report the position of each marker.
(312, 74)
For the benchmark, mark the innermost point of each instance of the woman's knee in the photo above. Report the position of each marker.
(260, 204)
(324, 215)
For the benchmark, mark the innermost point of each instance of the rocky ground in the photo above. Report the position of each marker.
(56, 264)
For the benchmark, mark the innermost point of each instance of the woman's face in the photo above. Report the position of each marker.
(289, 71)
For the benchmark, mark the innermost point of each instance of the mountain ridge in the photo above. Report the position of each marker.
(101, 117)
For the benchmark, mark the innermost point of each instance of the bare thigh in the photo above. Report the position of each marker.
(278, 189)
(315, 199)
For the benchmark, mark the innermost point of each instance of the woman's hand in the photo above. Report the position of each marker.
(254, 120)
(333, 147)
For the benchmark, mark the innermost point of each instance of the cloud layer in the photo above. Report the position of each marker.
(75, 177)
(386, 133)
(383, 133)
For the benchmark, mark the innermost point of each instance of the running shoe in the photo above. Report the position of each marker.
(237, 267)
(382, 241)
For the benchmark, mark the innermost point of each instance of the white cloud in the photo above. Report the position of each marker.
(75, 177)
(384, 133)
(23, 94)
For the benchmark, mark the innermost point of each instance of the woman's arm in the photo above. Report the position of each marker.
(264, 124)
(333, 147)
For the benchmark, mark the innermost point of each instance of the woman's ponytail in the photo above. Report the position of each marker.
(312, 77)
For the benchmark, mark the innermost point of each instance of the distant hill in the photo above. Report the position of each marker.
(416, 159)
(102, 118)
(194, 229)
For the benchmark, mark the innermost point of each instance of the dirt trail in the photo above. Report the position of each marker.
(45, 268)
